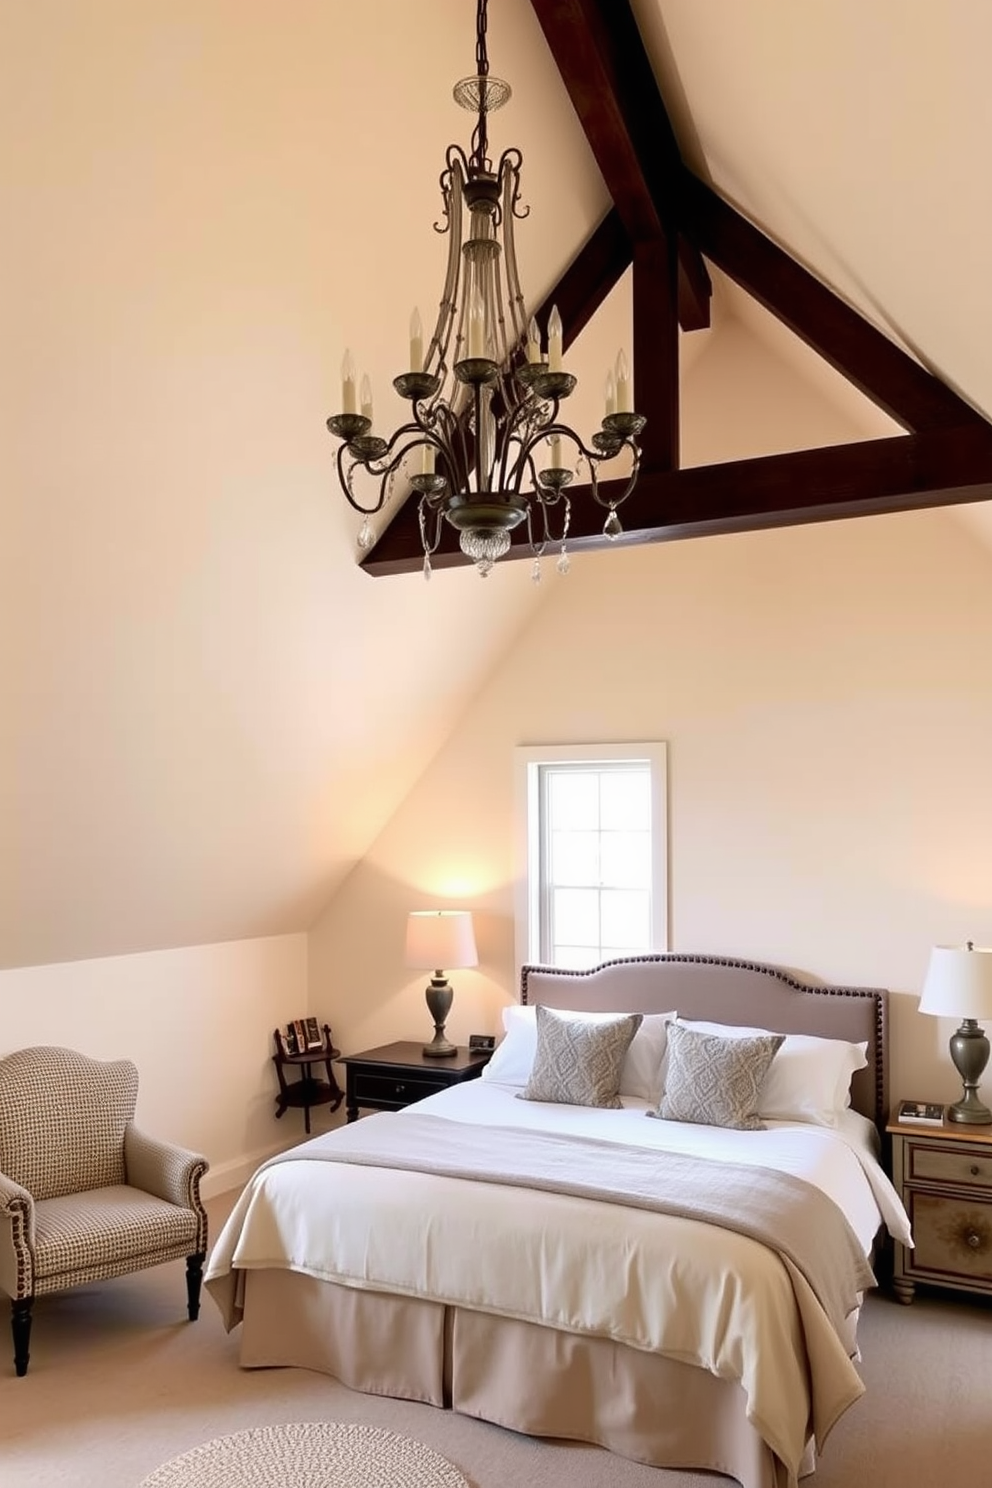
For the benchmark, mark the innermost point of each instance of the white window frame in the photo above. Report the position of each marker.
(528, 760)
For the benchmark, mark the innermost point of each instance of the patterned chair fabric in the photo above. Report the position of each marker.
(84, 1195)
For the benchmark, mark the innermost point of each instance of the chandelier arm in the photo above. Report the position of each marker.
(345, 474)
(631, 480)
(452, 187)
(509, 171)
(565, 431)
(382, 467)
(512, 161)
(513, 456)
(451, 440)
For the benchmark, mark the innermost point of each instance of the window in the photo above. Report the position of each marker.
(592, 880)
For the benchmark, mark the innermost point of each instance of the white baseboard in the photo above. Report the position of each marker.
(222, 1177)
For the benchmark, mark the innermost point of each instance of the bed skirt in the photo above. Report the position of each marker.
(531, 1379)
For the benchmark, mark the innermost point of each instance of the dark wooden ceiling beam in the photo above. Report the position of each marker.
(589, 278)
(938, 467)
(599, 53)
(868, 359)
(656, 352)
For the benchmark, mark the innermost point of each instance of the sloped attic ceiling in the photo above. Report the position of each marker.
(208, 709)
(669, 223)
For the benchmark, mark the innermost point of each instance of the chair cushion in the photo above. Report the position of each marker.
(62, 1120)
(106, 1232)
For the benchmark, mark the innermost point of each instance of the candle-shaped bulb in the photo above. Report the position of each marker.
(533, 342)
(427, 456)
(476, 327)
(555, 451)
(611, 394)
(554, 340)
(367, 398)
(625, 399)
(349, 402)
(416, 343)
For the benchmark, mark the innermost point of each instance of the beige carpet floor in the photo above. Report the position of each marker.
(119, 1383)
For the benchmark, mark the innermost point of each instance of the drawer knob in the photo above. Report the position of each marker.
(974, 1240)
(400, 1088)
(974, 1170)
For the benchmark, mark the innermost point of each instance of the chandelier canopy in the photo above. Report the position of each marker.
(484, 447)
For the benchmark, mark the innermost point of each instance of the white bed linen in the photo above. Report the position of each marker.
(840, 1160)
(697, 1293)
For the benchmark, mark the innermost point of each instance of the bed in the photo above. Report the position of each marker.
(506, 1257)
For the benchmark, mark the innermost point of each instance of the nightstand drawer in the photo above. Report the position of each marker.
(394, 1090)
(953, 1239)
(395, 1075)
(927, 1163)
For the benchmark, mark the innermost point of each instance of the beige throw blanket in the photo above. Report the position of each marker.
(783, 1212)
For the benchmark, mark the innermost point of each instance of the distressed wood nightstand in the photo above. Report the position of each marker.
(396, 1075)
(944, 1177)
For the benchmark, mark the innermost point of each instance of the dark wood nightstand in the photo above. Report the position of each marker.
(396, 1075)
(943, 1175)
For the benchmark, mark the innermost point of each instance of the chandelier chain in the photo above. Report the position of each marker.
(480, 135)
(481, 23)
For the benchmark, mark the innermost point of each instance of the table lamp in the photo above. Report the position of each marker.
(959, 985)
(436, 939)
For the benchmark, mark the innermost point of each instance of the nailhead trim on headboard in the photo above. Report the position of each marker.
(877, 994)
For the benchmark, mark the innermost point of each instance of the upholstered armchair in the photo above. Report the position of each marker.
(83, 1194)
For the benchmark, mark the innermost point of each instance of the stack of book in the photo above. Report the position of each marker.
(921, 1113)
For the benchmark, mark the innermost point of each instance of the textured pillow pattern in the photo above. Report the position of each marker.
(810, 1077)
(716, 1081)
(642, 1067)
(578, 1063)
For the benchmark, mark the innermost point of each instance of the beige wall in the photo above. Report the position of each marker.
(197, 1022)
(827, 702)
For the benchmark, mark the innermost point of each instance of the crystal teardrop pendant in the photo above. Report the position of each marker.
(366, 537)
(427, 567)
(535, 573)
(611, 527)
(564, 562)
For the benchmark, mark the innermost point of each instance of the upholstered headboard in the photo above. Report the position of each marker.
(728, 991)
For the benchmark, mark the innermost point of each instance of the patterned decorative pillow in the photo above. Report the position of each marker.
(579, 1063)
(716, 1081)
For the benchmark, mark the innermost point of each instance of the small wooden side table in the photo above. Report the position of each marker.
(309, 1090)
(395, 1075)
(943, 1175)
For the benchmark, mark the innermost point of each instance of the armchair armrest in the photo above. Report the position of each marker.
(16, 1239)
(163, 1169)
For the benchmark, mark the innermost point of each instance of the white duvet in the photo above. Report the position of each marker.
(692, 1291)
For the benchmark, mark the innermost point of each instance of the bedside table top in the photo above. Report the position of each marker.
(409, 1055)
(958, 1131)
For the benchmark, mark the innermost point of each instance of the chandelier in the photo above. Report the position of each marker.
(483, 445)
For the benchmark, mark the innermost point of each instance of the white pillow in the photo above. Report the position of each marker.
(641, 1074)
(809, 1079)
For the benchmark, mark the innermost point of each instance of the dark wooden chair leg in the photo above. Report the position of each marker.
(20, 1325)
(194, 1278)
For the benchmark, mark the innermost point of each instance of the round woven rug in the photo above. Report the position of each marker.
(309, 1454)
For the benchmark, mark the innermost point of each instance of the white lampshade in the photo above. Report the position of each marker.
(440, 939)
(959, 983)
